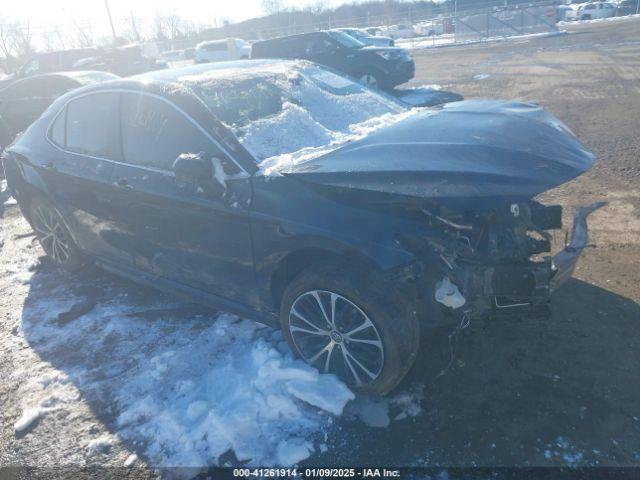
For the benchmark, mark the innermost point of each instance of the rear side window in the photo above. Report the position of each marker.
(154, 133)
(92, 126)
(57, 133)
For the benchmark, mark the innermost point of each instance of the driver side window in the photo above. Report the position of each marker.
(154, 133)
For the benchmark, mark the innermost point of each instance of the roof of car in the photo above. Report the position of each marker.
(175, 74)
(82, 77)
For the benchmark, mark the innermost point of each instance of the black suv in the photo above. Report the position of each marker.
(380, 67)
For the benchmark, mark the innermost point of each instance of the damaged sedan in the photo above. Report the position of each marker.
(286, 193)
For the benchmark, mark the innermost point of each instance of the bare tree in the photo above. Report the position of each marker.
(7, 43)
(84, 35)
(272, 6)
(132, 31)
(315, 8)
(174, 24)
(22, 38)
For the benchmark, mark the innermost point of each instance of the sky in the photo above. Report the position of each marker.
(45, 13)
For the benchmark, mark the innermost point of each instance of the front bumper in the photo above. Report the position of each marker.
(508, 287)
(402, 72)
(564, 262)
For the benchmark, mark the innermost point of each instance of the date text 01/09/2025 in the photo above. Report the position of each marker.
(316, 473)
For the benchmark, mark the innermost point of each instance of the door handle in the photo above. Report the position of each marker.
(49, 166)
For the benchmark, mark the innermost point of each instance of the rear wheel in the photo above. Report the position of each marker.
(53, 234)
(343, 321)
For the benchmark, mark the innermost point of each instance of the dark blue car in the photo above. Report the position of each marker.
(293, 196)
(381, 67)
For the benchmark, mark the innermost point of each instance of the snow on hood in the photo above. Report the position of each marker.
(294, 137)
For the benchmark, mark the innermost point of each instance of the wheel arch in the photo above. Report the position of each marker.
(294, 262)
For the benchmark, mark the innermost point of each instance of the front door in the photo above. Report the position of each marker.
(182, 232)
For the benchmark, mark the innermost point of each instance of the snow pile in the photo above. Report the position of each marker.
(271, 165)
(248, 397)
(27, 419)
(100, 445)
(377, 412)
(189, 389)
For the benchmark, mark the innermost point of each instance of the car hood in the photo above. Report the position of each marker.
(481, 149)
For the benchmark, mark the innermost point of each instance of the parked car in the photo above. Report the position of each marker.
(591, 11)
(368, 39)
(173, 55)
(23, 101)
(375, 31)
(378, 67)
(288, 194)
(123, 61)
(56, 61)
(565, 13)
(399, 31)
(222, 50)
(430, 28)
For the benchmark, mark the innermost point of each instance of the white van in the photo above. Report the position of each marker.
(221, 50)
(591, 11)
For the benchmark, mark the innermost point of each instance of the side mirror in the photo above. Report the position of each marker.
(200, 170)
(193, 168)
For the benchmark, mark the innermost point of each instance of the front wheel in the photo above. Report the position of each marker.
(53, 235)
(345, 322)
(369, 79)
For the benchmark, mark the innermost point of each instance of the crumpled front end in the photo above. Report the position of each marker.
(498, 262)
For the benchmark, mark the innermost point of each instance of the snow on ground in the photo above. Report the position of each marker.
(450, 39)
(379, 412)
(190, 389)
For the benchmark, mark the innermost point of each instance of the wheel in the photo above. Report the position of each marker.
(586, 17)
(53, 235)
(369, 79)
(346, 322)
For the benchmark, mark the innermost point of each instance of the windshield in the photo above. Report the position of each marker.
(277, 111)
(345, 40)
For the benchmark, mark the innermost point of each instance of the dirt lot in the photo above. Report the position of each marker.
(563, 391)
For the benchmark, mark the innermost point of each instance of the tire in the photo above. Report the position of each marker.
(374, 338)
(372, 79)
(53, 235)
(585, 17)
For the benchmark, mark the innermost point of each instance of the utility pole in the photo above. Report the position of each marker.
(113, 30)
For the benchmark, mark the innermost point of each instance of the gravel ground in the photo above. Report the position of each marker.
(563, 391)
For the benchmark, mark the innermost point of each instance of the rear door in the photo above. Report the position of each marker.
(86, 134)
(181, 232)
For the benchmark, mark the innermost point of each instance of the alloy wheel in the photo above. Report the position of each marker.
(369, 80)
(52, 234)
(334, 335)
